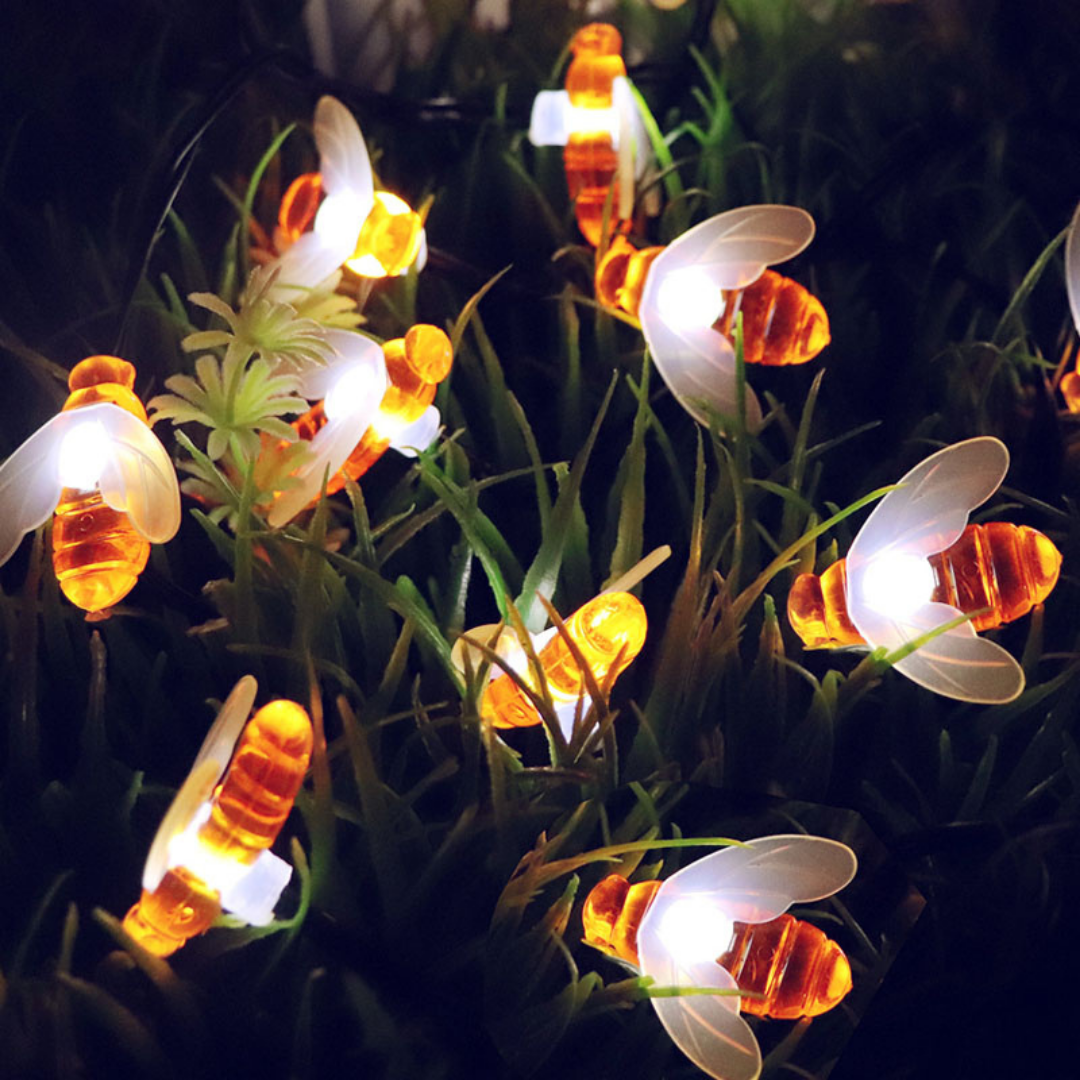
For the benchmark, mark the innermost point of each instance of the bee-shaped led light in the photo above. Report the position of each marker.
(211, 852)
(916, 564)
(1070, 383)
(373, 399)
(686, 296)
(335, 217)
(719, 923)
(104, 474)
(609, 631)
(597, 120)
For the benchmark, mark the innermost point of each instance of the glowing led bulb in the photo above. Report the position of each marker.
(897, 582)
(719, 924)
(687, 295)
(695, 930)
(336, 218)
(597, 121)
(609, 632)
(688, 300)
(916, 564)
(211, 851)
(110, 483)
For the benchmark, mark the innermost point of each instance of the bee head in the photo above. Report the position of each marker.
(104, 378)
(612, 914)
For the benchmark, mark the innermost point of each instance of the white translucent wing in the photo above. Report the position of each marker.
(209, 764)
(30, 484)
(547, 124)
(707, 1028)
(696, 362)
(1072, 267)
(348, 349)
(421, 254)
(194, 791)
(343, 156)
(930, 508)
(311, 260)
(630, 122)
(364, 369)
(329, 449)
(957, 664)
(139, 478)
(233, 715)
(626, 113)
(762, 880)
(736, 246)
(418, 435)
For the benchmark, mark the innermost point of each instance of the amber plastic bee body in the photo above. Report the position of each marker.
(226, 840)
(590, 157)
(797, 970)
(1004, 568)
(98, 554)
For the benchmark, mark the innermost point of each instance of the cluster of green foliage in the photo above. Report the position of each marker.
(433, 925)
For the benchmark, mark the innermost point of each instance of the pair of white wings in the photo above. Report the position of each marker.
(728, 251)
(926, 514)
(750, 884)
(137, 478)
(359, 360)
(553, 121)
(350, 195)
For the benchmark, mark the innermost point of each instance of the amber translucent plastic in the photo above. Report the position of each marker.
(817, 609)
(1070, 390)
(620, 274)
(799, 970)
(298, 206)
(98, 554)
(104, 378)
(252, 802)
(783, 323)
(613, 912)
(247, 812)
(181, 907)
(609, 631)
(589, 157)
(1004, 568)
(389, 239)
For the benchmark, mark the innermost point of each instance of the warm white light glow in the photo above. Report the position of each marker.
(366, 266)
(583, 121)
(340, 217)
(84, 453)
(897, 584)
(695, 930)
(218, 871)
(688, 300)
(357, 390)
